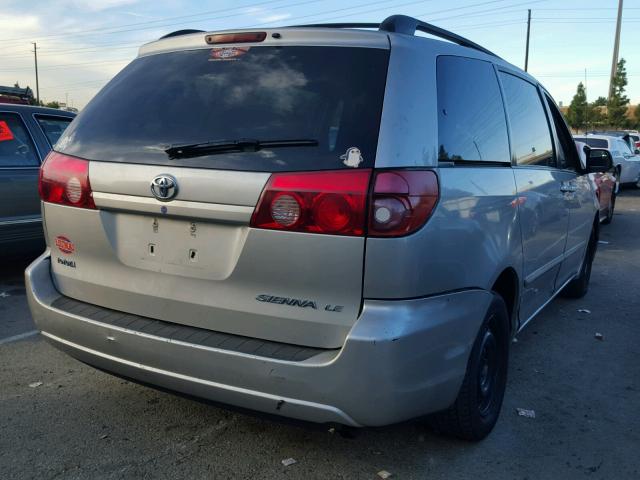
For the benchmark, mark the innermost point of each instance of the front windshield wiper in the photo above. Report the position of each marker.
(190, 150)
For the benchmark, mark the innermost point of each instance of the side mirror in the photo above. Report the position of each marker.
(599, 160)
(637, 151)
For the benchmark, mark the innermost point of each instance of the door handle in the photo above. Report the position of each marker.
(567, 187)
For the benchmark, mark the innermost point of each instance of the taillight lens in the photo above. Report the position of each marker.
(331, 202)
(335, 202)
(402, 201)
(65, 180)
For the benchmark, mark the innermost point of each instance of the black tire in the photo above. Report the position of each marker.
(477, 407)
(579, 286)
(612, 206)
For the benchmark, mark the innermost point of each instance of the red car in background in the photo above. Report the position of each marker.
(606, 183)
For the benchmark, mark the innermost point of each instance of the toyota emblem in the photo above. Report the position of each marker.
(164, 187)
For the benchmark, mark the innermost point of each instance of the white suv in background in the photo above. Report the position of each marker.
(627, 163)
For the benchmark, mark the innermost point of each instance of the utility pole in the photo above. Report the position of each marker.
(586, 107)
(616, 48)
(35, 57)
(526, 55)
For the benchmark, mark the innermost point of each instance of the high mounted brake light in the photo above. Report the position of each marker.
(243, 37)
(65, 180)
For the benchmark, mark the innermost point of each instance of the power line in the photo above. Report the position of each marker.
(470, 14)
(305, 2)
(147, 22)
(388, 6)
(68, 65)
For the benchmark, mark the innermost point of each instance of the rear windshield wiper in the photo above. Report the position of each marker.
(190, 150)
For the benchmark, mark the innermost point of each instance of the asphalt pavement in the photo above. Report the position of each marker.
(62, 419)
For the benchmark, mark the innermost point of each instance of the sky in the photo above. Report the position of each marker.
(84, 43)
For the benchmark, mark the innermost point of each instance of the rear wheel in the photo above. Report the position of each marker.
(579, 286)
(477, 407)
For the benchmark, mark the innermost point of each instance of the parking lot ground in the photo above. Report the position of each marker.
(82, 423)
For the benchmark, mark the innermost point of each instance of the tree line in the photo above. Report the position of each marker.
(604, 113)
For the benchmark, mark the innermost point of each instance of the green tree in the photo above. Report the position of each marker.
(636, 114)
(53, 104)
(618, 102)
(600, 102)
(578, 109)
(597, 118)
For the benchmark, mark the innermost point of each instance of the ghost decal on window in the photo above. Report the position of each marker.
(352, 158)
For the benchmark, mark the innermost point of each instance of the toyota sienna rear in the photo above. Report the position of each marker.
(266, 219)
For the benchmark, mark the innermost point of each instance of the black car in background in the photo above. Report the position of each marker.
(27, 134)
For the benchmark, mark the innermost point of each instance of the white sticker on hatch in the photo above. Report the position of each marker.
(352, 158)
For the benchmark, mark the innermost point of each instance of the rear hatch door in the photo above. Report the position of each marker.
(194, 259)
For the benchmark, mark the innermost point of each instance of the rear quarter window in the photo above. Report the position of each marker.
(330, 94)
(471, 119)
(52, 126)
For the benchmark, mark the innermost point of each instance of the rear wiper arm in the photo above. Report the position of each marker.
(190, 150)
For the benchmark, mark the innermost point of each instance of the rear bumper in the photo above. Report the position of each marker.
(402, 359)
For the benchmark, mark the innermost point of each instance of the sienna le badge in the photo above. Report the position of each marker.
(352, 158)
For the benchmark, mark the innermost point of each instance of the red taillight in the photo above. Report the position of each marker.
(65, 180)
(335, 202)
(402, 201)
(241, 37)
(331, 202)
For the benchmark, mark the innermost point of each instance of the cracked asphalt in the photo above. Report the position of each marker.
(82, 423)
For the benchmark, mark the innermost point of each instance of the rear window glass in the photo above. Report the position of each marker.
(16, 146)
(593, 142)
(332, 95)
(53, 126)
(471, 120)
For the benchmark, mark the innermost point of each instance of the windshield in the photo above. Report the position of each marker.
(332, 95)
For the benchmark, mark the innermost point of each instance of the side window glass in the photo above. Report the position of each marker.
(471, 119)
(567, 157)
(16, 146)
(530, 134)
(624, 147)
(52, 127)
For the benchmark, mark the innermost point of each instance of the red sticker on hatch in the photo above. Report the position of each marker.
(65, 245)
(5, 132)
(227, 53)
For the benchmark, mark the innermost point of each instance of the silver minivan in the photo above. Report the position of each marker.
(330, 223)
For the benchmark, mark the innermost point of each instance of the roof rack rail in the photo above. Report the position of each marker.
(177, 33)
(408, 26)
